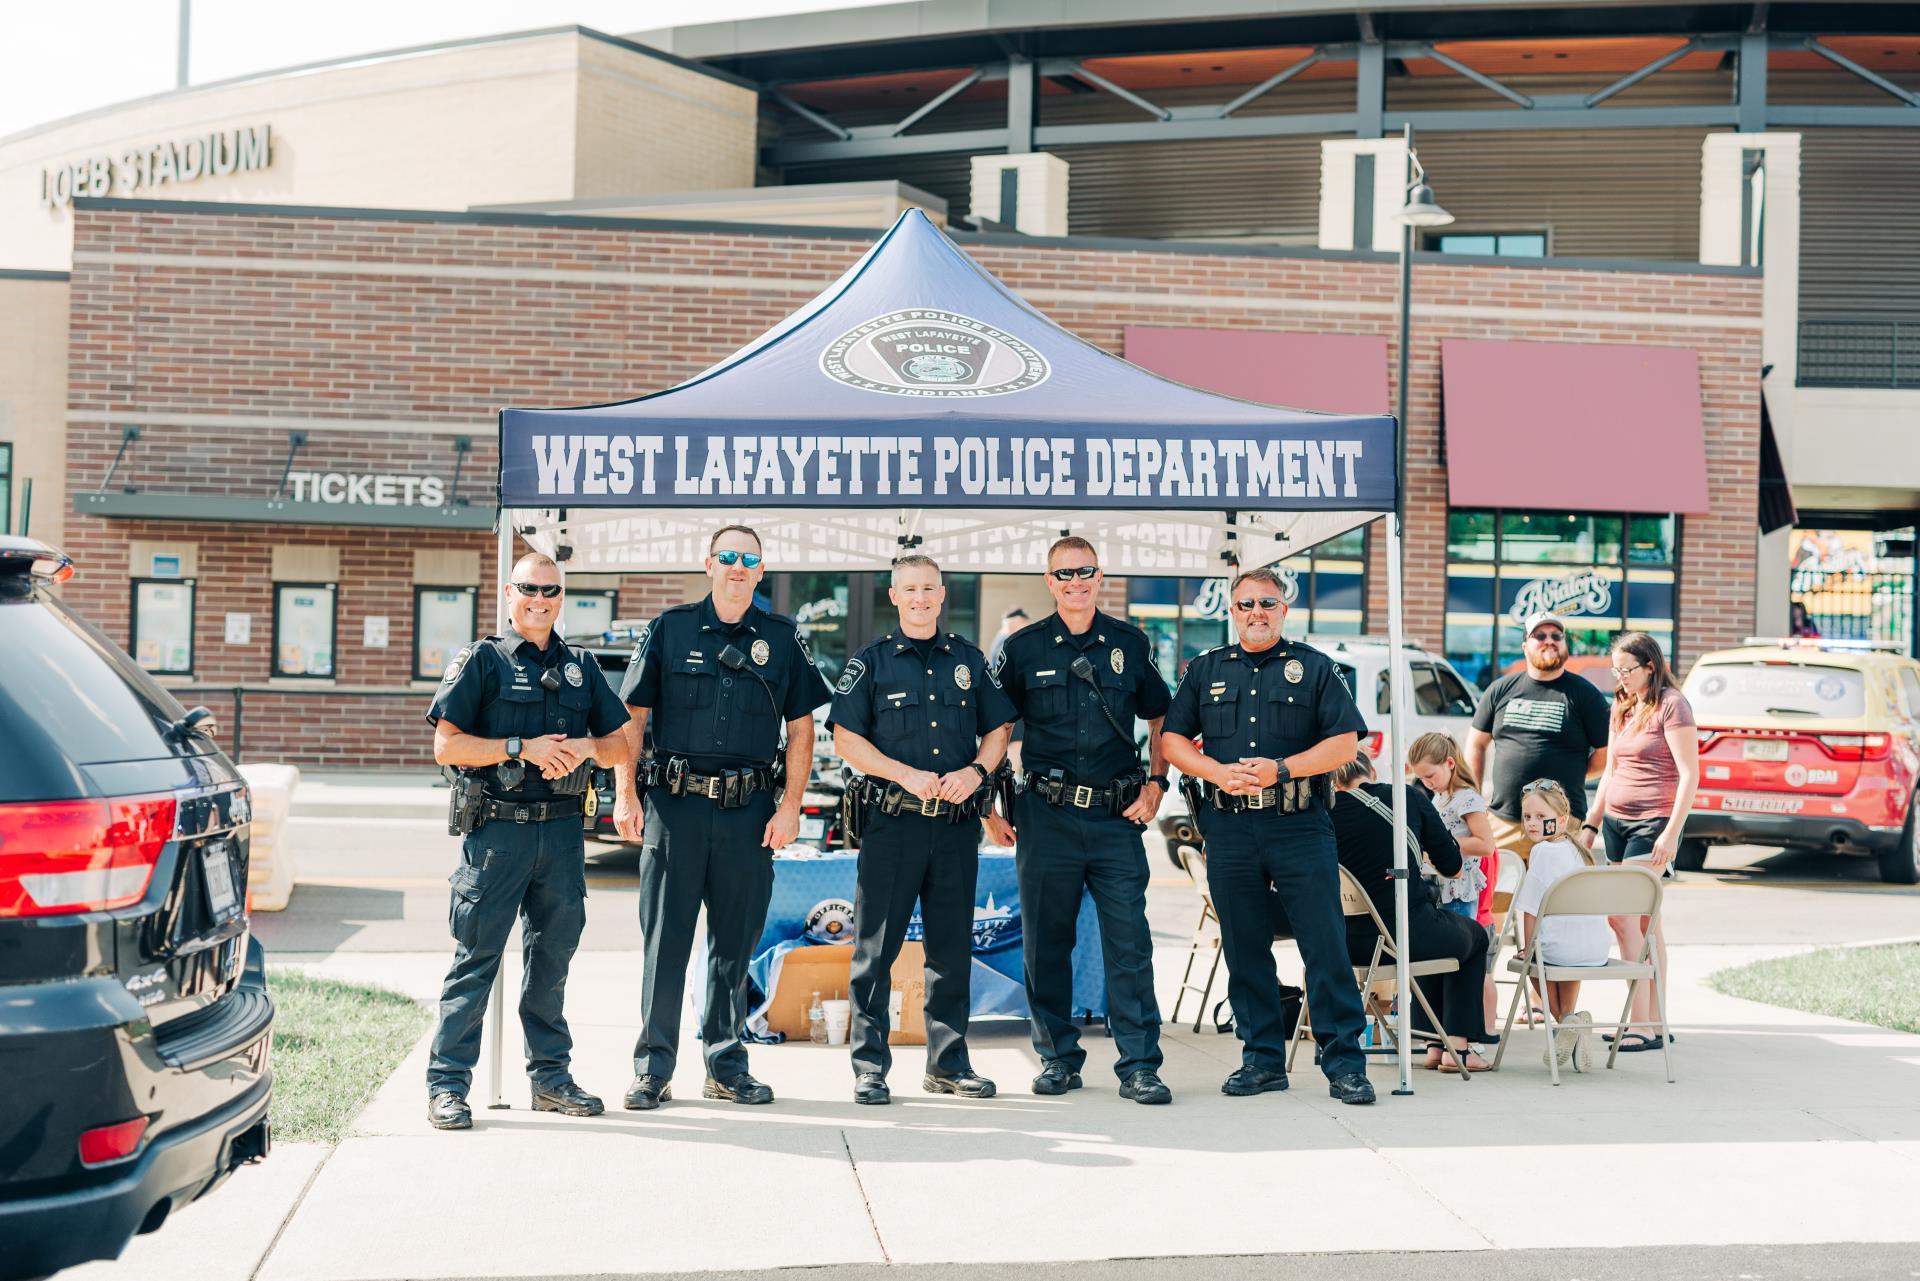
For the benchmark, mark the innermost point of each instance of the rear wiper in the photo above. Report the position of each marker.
(1791, 711)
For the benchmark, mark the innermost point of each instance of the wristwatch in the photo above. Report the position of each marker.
(984, 776)
(1159, 781)
(513, 748)
(1280, 772)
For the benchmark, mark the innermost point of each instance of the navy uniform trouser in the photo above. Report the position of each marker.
(695, 854)
(904, 858)
(1063, 851)
(537, 872)
(1251, 856)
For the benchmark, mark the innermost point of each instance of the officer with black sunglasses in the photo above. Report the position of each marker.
(1273, 719)
(1080, 679)
(719, 679)
(523, 717)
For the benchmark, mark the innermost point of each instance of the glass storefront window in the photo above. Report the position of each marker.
(586, 613)
(303, 618)
(838, 613)
(163, 626)
(443, 624)
(1503, 566)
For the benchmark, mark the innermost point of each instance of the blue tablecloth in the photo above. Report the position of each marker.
(812, 906)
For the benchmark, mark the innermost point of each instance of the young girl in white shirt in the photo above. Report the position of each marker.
(1562, 940)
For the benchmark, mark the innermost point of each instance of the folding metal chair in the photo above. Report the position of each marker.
(1379, 972)
(1206, 936)
(1510, 874)
(1625, 890)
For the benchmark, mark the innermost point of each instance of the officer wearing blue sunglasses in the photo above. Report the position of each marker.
(718, 679)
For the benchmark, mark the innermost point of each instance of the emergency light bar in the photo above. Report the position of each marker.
(1822, 643)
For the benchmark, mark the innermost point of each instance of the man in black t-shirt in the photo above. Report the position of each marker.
(1545, 723)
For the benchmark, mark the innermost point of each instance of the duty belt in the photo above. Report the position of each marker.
(1290, 797)
(730, 788)
(891, 798)
(1112, 797)
(501, 809)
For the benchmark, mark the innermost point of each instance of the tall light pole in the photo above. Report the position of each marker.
(1420, 211)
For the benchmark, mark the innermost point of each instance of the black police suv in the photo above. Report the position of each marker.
(134, 1016)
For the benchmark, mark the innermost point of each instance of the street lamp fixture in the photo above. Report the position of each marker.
(1422, 210)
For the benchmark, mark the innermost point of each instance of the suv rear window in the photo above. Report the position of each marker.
(1777, 689)
(69, 697)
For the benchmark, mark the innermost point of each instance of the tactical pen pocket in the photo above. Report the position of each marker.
(464, 902)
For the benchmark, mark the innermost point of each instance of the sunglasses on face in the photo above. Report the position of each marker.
(1078, 571)
(549, 590)
(1264, 602)
(750, 559)
(1548, 638)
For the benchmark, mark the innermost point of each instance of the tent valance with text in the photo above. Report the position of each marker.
(917, 380)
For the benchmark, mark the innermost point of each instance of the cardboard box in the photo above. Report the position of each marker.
(826, 970)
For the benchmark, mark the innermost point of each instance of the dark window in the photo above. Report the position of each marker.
(163, 625)
(303, 630)
(1508, 244)
(443, 625)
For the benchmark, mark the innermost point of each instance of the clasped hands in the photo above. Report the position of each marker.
(954, 786)
(1246, 775)
(555, 755)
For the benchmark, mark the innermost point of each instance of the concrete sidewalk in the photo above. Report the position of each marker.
(1784, 1128)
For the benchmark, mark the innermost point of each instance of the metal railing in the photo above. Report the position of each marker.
(1859, 351)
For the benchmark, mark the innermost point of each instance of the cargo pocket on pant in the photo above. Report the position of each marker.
(464, 904)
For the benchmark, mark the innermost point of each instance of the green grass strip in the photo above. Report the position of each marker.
(334, 1045)
(1878, 985)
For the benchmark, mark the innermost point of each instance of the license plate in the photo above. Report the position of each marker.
(219, 869)
(1764, 749)
(812, 829)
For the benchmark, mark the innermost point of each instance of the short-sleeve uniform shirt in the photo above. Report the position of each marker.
(720, 714)
(1065, 728)
(492, 689)
(1274, 703)
(928, 713)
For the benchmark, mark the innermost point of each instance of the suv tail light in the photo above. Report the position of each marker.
(58, 857)
(112, 1142)
(1854, 747)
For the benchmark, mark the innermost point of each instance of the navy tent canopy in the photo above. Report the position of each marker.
(918, 403)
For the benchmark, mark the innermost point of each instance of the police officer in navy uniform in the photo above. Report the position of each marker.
(522, 716)
(1272, 717)
(918, 715)
(719, 678)
(1079, 679)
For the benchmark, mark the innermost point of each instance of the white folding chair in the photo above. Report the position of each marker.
(1510, 874)
(1625, 890)
(1206, 946)
(1380, 972)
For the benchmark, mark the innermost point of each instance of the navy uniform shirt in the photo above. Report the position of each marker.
(492, 690)
(1065, 728)
(928, 714)
(721, 717)
(1275, 703)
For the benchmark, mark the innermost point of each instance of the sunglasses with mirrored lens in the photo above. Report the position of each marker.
(1548, 636)
(1264, 602)
(1078, 571)
(750, 559)
(549, 590)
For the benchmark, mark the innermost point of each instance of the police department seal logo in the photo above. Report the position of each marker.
(928, 352)
(1117, 661)
(1295, 671)
(831, 921)
(962, 677)
(456, 666)
(574, 675)
(850, 676)
(761, 653)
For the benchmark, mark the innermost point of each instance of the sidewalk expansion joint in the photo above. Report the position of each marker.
(292, 1210)
(866, 1204)
(1414, 1181)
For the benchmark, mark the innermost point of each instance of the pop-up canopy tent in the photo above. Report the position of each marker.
(918, 404)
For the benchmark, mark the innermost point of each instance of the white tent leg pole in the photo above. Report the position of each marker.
(1399, 690)
(496, 1025)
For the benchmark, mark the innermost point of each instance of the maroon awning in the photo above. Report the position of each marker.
(1333, 373)
(1578, 426)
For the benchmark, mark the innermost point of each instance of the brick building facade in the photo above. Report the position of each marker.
(388, 341)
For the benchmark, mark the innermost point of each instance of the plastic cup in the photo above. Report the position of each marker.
(838, 1014)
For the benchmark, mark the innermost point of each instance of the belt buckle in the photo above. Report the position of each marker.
(522, 813)
(713, 787)
(930, 808)
(1082, 797)
(1260, 800)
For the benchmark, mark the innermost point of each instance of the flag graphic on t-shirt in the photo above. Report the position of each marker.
(1545, 715)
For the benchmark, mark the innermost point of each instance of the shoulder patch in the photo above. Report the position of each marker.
(640, 643)
(849, 676)
(457, 665)
(801, 641)
(999, 665)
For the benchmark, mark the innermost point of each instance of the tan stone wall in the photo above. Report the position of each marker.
(644, 125)
(33, 397)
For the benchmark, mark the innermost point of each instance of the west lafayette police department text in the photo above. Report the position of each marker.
(653, 466)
